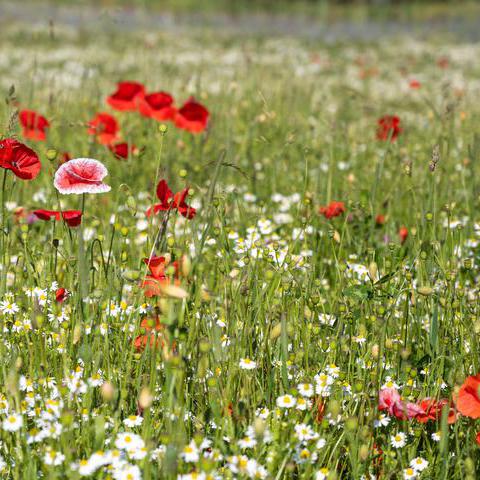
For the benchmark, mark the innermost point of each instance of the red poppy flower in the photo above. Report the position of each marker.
(169, 201)
(20, 159)
(414, 84)
(126, 97)
(388, 128)
(65, 157)
(157, 265)
(81, 175)
(123, 149)
(192, 117)
(433, 410)
(380, 219)
(468, 398)
(33, 124)
(403, 234)
(61, 295)
(105, 127)
(158, 105)
(333, 209)
(477, 438)
(73, 218)
(151, 327)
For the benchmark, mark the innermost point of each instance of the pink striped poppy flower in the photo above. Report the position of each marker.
(81, 175)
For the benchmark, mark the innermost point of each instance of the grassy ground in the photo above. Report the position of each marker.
(281, 300)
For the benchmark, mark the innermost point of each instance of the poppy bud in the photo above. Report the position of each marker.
(334, 408)
(186, 265)
(107, 391)
(97, 294)
(259, 426)
(162, 128)
(145, 398)
(373, 271)
(132, 204)
(182, 173)
(363, 452)
(131, 275)
(77, 334)
(425, 291)
(351, 424)
(51, 154)
(276, 331)
(204, 346)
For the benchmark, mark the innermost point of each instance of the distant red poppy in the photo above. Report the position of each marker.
(380, 219)
(123, 149)
(403, 234)
(34, 125)
(169, 201)
(443, 62)
(388, 128)
(153, 282)
(151, 336)
(414, 84)
(65, 157)
(477, 438)
(105, 127)
(192, 117)
(61, 295)
(126, 96)
(433, 410)
(158, 105)
(20, 159)
(73, 218)
(333, 209)
(81, 175)
(468, 398)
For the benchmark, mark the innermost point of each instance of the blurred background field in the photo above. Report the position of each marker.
(313, 18)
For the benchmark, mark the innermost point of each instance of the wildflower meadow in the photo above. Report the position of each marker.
(237, 255)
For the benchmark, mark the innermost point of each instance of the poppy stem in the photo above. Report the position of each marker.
(3, 283)
(82, 264)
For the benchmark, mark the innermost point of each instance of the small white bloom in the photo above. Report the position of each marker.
(247, 364)
(286, 401)
(13, 422)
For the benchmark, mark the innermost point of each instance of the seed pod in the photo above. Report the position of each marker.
(425, 291)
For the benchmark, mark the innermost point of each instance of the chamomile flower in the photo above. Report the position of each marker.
(286, 401)
(409, 473)
(129, 441)
(305, 389)
(247, 364)
(399, 440)
(52, 457)
(190, 453)
(13, 422)
(8, 307)
(322, 474)
(133, 421)
(419, 464)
